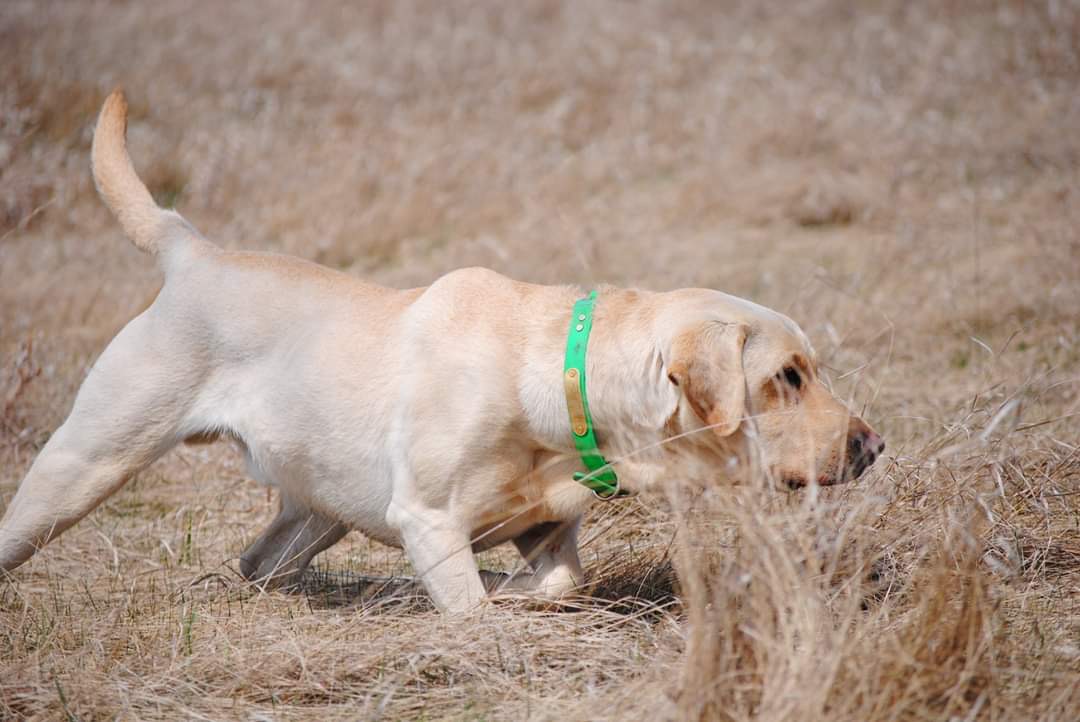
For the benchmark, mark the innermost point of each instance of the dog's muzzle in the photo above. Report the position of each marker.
(864, 446)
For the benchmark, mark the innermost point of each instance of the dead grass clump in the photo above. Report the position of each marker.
(929, 651)
(787, 623)
(636, 582)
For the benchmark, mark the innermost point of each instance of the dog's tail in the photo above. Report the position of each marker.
(149, 226)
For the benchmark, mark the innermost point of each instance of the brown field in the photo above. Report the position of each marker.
(899, 177)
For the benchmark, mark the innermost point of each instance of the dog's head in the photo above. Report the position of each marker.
(748, 387)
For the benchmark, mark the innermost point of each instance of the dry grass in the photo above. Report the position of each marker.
(901, 178)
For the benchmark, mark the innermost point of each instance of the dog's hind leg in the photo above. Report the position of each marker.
(128, 412)
(281, 553)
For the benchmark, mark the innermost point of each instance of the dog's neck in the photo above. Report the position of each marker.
(630, 397)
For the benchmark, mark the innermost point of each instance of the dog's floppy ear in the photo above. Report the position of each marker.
(706, 364)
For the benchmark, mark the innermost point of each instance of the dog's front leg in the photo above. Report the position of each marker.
(552, 552)
(439, 548)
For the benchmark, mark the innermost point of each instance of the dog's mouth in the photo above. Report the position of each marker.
(798, 482)
(860, 458)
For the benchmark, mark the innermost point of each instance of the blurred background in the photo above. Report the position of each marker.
(887, 175)
(899, 177)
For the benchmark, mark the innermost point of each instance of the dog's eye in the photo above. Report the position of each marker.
(792, 377)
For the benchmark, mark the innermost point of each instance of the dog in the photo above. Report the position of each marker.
(433, 419)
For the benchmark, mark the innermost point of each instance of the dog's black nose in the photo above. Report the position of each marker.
(864, 447)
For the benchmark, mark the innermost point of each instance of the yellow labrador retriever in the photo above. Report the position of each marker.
(434, 419)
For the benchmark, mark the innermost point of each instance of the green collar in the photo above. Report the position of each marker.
(600, 479)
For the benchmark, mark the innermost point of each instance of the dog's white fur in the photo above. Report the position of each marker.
(433, 418)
